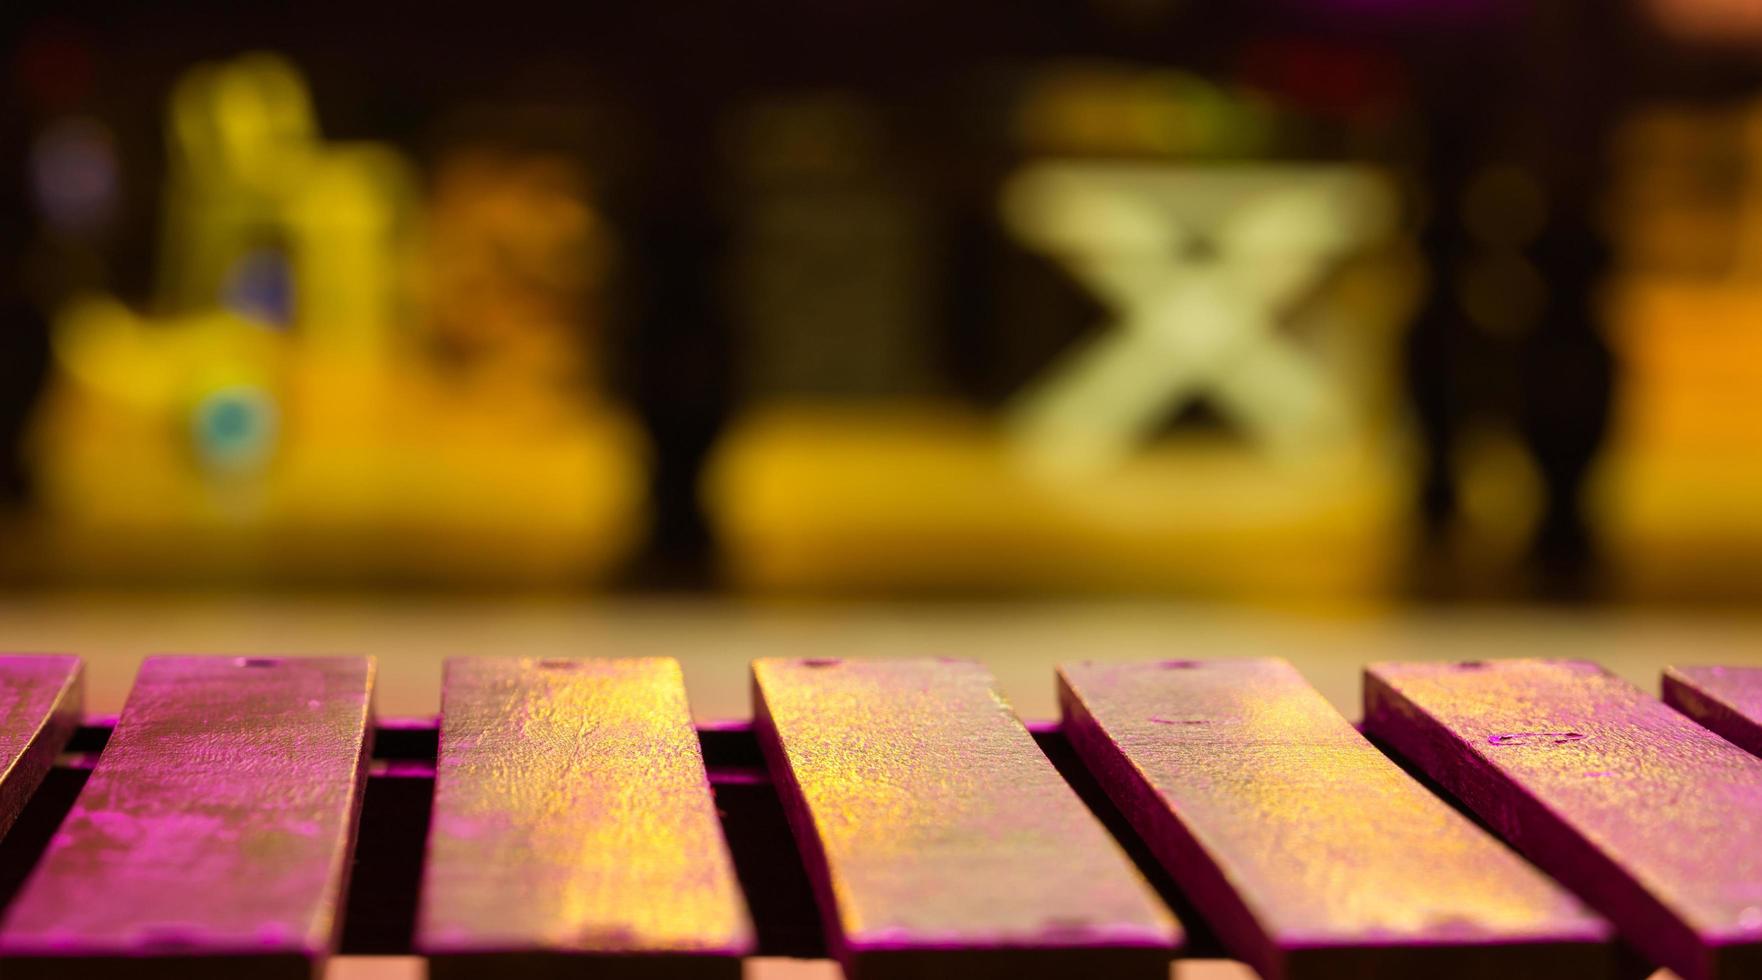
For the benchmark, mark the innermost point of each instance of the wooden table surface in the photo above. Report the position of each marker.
(715, 639)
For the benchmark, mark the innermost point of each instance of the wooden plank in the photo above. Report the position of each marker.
(213, 837)
(1724, 700)
(574, 829)
(940, 840)
(1309, 852)
(40, 703)
(1651, 818)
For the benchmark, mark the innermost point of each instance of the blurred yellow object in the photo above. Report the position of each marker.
(1126, 110)
(515, 256)
(921, 497)
(250, 171)
(416, 483)
(1678, 489)
(1676, 493)
(308, 429)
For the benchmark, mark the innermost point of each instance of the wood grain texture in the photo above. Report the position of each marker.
(574, 828)
(213, 837)
(41, 699)
(1309, 852)
(1649, 817)
(940, 840)
(1724, 700)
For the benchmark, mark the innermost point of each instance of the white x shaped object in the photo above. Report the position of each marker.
(1199, 264)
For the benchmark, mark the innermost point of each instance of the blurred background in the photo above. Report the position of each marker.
(1017, 330)
(1312, 304)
